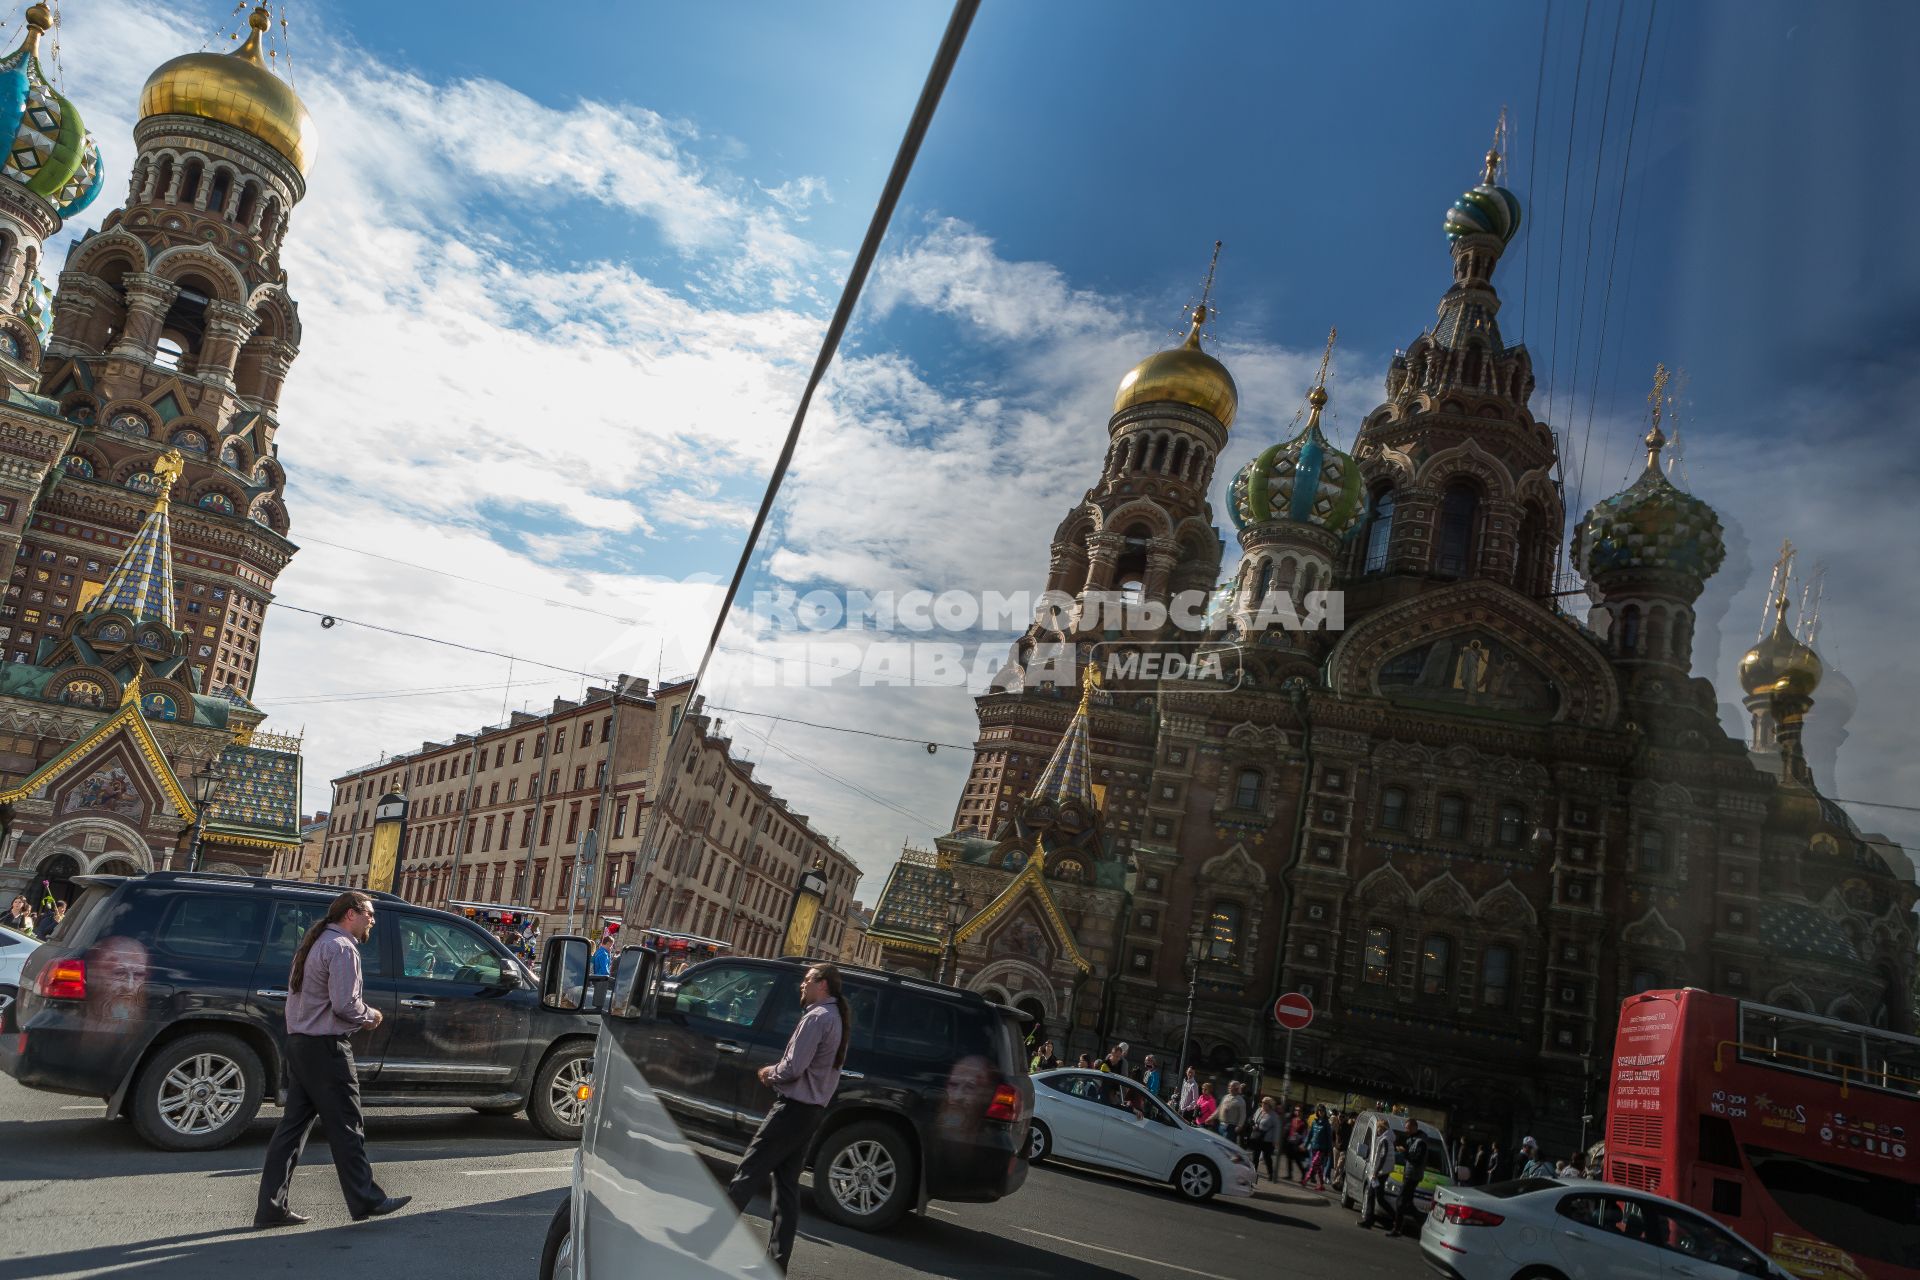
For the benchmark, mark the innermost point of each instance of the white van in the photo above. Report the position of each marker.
(1353, 1166)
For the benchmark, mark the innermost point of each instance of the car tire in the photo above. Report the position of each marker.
(864, 1176)
(553, 1106)
(1346, 1193)
(1539, 1273)
(1039, 1143)
(198, 1093)
(1197, 1179)
(556, 1255)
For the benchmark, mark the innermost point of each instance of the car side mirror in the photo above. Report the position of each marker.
(631, 996)
(563, 973)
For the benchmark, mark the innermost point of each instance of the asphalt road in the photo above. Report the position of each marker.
(80, 1196)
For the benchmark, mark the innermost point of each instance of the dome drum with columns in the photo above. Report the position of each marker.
(1464, 824)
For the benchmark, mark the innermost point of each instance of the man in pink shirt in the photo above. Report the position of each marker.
(324, 1009)
(803, 1082)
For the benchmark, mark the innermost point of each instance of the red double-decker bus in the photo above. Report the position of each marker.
(1797, 1131)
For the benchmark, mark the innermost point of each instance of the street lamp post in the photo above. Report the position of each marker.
(956, 916)
(206, 786)
(1198, 949)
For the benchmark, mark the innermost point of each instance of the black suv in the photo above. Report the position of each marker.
(933, 1104)
(165, 994)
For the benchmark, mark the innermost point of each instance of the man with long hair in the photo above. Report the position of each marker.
(803, 1082)
(324, 1009)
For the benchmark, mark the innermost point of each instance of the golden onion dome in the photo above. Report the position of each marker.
(1780, 663)
(235, 89)
(1184, 375)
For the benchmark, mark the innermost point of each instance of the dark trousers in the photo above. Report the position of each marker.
(321, 1085)
(1373, 1203)
(1405, 1214)
(779, 1150)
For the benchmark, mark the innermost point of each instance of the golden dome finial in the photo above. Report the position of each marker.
(1497, 151)
(259, 20)
(1193, 334)
(1656, 439)
(39, 22)
(1317, 397)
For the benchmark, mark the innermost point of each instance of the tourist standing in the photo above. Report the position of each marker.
(1419, 1153)
(1380, 1164)
(1266, 1139)
(1189, 1095)
(1233, 1114)
(1151, 1078)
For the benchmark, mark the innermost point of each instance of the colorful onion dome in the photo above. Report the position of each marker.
(1487, 210)
(1651, 524)
(235, 89)
(1306, 480)
(1780, 663)
(1183, 375)
(52, 154)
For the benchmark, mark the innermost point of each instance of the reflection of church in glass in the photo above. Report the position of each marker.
(142, 524)
(1465, 826)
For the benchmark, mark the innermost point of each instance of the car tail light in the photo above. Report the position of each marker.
(1005, 1104)
(64, 980)
(1465, 1215)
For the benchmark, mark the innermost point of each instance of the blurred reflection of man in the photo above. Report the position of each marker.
(803, 1080)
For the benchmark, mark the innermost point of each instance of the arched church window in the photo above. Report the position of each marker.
(162, 179)
(1379, 532)
(1496, 976)
(1223, 932)
(1393, 809)
(1653, 851)
(1647, 980)
(1682, 637)
(167, 353)
(1457, 510)
(1436, 965)
(218, 189)
(1656, 633)
(1376, 958)
(1630, 631)
(1513, 824)
(1453, 817)
(1246, 795)
(1263, 584)
(249, 198)
(190, 182)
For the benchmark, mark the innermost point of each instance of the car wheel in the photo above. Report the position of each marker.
(1540, 1273)
(864, 1177)
(1039, 1143)
(1196, 1178)
(556, 1255)
(198, 1093)
(561, 1091)
(1346, 1193)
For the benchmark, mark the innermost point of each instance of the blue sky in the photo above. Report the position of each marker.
(561, 278)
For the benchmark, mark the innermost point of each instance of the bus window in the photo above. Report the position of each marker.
(1869, 1215)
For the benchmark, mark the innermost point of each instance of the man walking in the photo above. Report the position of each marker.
(803, 1081)
(324, 1009)
(1419, 1151)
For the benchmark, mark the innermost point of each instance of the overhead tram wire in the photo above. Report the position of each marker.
(331, 619)
(1633, 246)
(1613, 254)
(1566, 190)
(947, 55)
(839, 728)
(1533, 162)
(1586, 264)
(856, 788)
(478, 582)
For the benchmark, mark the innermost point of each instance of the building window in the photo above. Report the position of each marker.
(1496, 977)
(1223, 932)
(1376, 961)
(1453, 817)
(580, 778)
(1379, 532)
(1436, 963)
(1513, 823)
(559, 741)
(1458, 507)
(1393, 809)
(1653, 851)
(539, 745)
(1246, 795)
(600, 774)
(1142, 961)
(620, 819)
(586, 734)
(519, 750)
(1648, 980)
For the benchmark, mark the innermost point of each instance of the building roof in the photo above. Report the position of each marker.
(141, 585)
(260, 799)
(1800, 928)
(913, 905)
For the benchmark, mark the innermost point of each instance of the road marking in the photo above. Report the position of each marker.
(83, 1106)
(495, 1173)
(1130, 1257)
(934, 1208)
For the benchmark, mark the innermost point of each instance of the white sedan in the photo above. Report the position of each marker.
(15, 947)
(1558, 1229)
(1090, 1117)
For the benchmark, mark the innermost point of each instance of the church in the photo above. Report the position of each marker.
(142, 516)
(1465, 822)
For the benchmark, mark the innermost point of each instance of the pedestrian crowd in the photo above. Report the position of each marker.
(22, 917)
